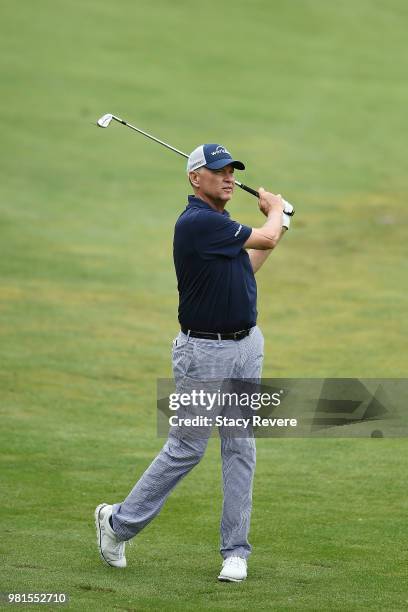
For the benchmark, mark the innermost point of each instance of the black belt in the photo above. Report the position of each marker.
(238, 335)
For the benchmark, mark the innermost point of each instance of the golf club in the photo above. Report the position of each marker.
(105, 121)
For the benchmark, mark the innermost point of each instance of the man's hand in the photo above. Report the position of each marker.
(267, 236)
(263, 240)
(268, 202)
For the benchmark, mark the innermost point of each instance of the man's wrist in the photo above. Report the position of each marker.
(273, 212)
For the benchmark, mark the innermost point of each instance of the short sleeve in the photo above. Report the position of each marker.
(216, 234)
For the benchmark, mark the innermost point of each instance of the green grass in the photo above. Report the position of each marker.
(313, 96)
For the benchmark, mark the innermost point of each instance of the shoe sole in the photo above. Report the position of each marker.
(99, 533)
(223, 579)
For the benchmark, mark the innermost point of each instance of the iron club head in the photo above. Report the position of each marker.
(105, 120)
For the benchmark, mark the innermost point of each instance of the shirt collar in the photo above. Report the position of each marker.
(194, 202)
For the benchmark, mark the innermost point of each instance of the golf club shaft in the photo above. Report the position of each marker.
(165, 144)
(132, 127)
(106, 119)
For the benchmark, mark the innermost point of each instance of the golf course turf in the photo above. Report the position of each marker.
(312, 96)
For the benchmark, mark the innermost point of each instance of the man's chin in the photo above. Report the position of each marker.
(226, 196)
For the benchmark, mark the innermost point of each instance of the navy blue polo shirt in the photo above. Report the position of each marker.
(216, 283)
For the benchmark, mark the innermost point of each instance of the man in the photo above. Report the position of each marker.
(215, 260)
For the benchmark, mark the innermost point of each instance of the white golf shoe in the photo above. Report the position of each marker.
(111, 550)
(234, 569)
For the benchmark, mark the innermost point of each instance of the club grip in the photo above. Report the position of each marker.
(249, 189)
(256, 194)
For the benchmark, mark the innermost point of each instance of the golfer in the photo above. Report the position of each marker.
(215, 259)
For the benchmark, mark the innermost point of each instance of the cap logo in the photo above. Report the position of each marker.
(198, 164)
(220, 149)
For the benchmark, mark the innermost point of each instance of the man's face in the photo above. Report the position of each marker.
(218, 185)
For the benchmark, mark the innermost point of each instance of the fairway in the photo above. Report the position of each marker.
(312, 96)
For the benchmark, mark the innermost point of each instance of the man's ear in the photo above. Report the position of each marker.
(194, 179)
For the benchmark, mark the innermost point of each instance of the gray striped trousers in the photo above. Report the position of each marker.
(198, 359)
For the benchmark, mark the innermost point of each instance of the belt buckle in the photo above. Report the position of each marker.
(237, 335)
